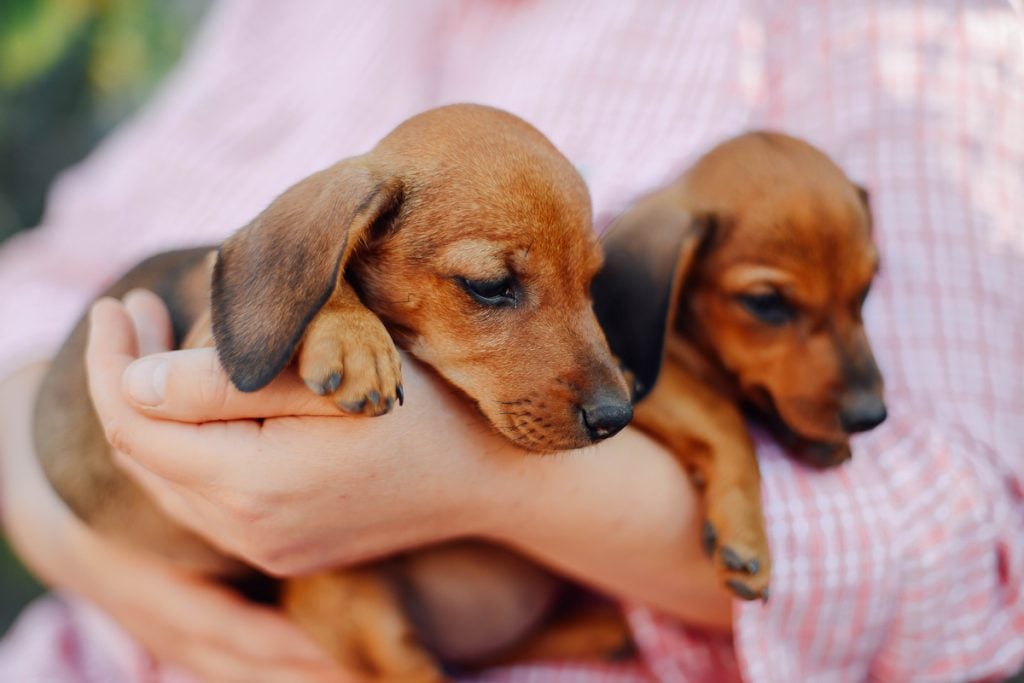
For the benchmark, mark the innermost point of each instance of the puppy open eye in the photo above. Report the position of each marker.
(495, 293)
(769, 307)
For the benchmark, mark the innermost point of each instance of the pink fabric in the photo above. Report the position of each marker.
(905, 564)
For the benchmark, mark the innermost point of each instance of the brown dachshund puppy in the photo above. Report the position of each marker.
(747, 277)
(466, 237)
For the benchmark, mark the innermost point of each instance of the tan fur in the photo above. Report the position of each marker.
(760, 214)
(375, 248)
(357, 617)
(347, 346)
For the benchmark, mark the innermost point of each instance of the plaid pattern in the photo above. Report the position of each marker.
(906, 564)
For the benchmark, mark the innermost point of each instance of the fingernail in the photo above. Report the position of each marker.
(132, 296)
(146, 381)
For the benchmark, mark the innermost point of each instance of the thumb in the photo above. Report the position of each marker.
(191, 386)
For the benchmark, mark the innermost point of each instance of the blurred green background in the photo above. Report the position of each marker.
(70, 70)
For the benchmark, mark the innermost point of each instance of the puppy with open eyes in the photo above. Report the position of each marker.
(738, 288)
(466, 238)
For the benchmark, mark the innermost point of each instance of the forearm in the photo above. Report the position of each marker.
(44, 532)
(33, 535)
(622, 516)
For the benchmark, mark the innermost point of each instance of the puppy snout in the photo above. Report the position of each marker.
(861, 411)
(605, 416)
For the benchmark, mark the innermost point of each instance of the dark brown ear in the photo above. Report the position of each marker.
(864, 195)
(865, 199)
(648, 253)
(273, 275)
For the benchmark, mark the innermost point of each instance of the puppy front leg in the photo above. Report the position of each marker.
(707, 434)
(348, 354)
(356, 616)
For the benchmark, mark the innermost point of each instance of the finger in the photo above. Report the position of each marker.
(118, 338)
(191, 386)
(203, 610)
(256, 633)
(180, 616)
(188, 507)
(111, 347)
(215, 664)
(151, 320)
(180, 504)
(253, 643)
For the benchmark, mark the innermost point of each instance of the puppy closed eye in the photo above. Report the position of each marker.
(500, 293)
(769, 307)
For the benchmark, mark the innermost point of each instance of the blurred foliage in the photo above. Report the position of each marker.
(69, 71)
(17, 587)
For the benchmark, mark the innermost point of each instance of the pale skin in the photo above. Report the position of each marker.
(307, 489)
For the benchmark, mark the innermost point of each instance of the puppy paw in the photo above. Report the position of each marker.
(737, 545)
(350, 356)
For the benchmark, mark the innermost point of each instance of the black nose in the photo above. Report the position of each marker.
(606, 418)
(861, 411)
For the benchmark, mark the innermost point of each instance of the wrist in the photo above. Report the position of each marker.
(515, 498)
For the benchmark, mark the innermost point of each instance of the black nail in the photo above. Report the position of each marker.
(709, 538)
(401, 394)
(374, 398)
(741, 589)
(354, 407)
(333, 382)
(318, 388)
(732, 560)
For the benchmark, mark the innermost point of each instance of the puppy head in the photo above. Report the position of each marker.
(470, 235)
(781, 266)
(486, 276)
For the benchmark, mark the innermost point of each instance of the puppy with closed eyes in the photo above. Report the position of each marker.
(738, 288)
(463, 237)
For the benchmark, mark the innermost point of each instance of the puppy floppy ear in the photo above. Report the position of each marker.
(865, 196)
(276, 273)
(865, 199)
(649, 251)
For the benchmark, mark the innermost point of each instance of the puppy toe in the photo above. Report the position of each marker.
(735, 562)
(325, 385)
(360, 393)
(371, 385)
(739, 549)
(745, 573)
(321, 367)
(389, 375)
(350, 357)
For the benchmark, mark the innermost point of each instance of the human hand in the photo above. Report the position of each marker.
(307, 488)
(180, 618)
(281, 492)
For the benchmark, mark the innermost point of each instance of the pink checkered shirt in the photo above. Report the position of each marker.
(907, 563)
